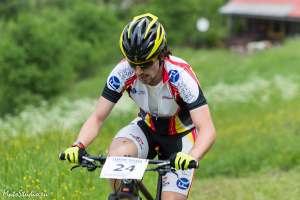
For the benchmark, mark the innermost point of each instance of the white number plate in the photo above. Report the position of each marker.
(124, 168)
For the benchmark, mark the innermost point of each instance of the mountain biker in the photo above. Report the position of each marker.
(174, 119)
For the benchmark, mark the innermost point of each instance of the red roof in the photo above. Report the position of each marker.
(268, 8)
(267, 1)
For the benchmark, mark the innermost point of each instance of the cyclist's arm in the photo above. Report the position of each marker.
(206, 132)
(94, 123)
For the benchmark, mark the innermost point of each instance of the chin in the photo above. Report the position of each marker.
(145, 81)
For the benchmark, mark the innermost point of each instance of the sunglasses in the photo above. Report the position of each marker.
(143, 65)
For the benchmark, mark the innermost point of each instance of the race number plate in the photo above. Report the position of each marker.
(124, 168)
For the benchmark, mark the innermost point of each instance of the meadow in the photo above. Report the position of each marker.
(255, 104)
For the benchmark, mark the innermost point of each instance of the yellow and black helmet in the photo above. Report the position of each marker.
(142, 39)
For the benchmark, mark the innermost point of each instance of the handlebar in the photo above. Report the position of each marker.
(88, 161)
(100, 158)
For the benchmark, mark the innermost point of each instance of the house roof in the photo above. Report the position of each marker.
(281, 9)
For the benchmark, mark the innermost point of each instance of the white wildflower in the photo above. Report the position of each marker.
(287, 86)
(67, 114)
(256, 89)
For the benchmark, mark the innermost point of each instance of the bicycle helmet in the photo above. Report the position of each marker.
(142, 39)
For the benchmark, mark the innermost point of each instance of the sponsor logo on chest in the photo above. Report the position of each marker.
(137, 91)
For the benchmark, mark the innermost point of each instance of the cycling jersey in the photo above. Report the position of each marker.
(149, 145)
(177, 94)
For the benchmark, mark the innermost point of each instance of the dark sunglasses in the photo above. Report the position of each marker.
(143, 66)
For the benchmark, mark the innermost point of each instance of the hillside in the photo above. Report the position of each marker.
(254, 100)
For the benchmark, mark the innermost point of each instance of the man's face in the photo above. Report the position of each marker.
(150, 73)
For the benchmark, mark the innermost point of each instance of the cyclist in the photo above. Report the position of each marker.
(174, 119)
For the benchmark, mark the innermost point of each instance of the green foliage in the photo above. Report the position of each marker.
(97, 33)
(45, 51)
(31, 61)
(179, 20)
(11, 8)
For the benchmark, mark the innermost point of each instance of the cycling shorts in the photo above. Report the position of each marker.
(150, 144)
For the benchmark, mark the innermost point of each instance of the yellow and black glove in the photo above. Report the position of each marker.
(74, 154)
(183, 161)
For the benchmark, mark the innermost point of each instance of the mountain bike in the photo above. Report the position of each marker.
(130, 188)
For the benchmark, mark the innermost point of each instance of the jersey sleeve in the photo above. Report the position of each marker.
(188, 88)
(115, 83)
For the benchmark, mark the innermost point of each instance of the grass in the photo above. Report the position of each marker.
(39, 170)
(260, 186)
(263, 139)
(256, 155)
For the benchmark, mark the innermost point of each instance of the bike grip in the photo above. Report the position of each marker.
(62, 156)
(193, 164)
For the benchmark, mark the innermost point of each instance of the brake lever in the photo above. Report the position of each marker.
(91, 168)
(88, 159)
(86, 163)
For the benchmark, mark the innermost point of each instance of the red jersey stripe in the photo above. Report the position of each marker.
(130, 81)
(185, 67)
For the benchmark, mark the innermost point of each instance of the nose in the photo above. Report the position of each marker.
(138, 70)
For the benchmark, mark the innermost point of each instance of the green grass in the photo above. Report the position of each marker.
(261, 186)
(213, 66)
(255, 138)
(32, 165)
(256, 155)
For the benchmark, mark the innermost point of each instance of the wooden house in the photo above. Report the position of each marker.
(263, 19)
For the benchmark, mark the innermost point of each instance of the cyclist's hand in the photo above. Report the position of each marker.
(181, 160)
(74, 154)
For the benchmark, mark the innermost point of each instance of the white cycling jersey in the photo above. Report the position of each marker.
(164, 107)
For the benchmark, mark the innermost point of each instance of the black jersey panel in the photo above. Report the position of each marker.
(111, 95)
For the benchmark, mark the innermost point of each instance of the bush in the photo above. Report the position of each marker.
(96, 29)
(30, 62)
(45, 51)
(179, 20)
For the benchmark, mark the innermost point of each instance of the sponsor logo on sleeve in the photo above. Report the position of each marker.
(173, 76)
(125, 73)
(183, 183)
(186, 93)
(138, 139)
(114, 82)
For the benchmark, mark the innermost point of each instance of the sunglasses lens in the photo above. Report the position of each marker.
(132, 65)
(144, 65)
(148, 64)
